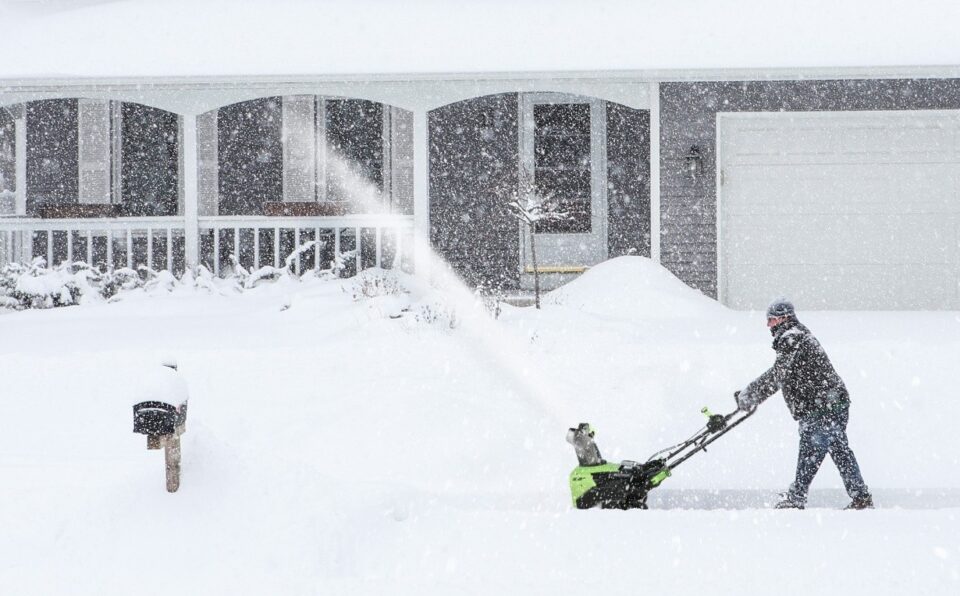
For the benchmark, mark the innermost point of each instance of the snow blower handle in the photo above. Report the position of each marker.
(715, 422)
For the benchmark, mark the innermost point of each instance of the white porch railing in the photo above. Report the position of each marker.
(229, 234)
(134, 240)
(374, 239)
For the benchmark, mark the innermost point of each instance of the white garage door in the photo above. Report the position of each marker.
(840, 210)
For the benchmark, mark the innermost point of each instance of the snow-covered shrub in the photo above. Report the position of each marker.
(36, 286)
(123, 279)
(39, 286)
(263, 275)
(373, 283)
(339, 264)
(203, 280)
(157, 281)
(435, 312)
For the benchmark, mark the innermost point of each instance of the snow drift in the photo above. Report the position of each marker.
(336, 447)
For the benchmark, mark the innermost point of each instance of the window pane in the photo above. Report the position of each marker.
(561, 158)
(564, 118)
(568, 152)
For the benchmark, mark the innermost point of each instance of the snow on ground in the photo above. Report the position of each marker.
(332, 448)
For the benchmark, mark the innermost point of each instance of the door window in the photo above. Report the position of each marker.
(562, 164)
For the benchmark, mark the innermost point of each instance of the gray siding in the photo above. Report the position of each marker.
(628, 180)
(688, 117)
(474, 170)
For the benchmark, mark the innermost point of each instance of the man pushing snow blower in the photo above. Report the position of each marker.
(817, 399)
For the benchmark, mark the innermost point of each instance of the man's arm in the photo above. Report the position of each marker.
(770, 381)
(759, 389)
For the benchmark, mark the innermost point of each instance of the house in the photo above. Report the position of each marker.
(834, 184)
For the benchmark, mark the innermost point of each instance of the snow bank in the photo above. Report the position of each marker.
(633, 288)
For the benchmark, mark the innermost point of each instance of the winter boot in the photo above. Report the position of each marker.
(864, 502)
(788, 501)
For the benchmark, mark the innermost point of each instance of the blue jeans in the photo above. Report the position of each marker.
(820, 435)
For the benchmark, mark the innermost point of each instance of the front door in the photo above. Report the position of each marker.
(562, 155)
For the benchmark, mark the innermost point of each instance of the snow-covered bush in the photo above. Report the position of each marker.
(436, 312)
(394, 294)
(157, 281)
(39, 286)
(373, 283)
(36, 286)
(113, 282)
(245, 280)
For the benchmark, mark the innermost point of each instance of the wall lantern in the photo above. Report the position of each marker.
(694, 159)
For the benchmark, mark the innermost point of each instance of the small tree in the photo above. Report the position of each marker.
(530, 207)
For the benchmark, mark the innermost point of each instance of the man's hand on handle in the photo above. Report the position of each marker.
(747, 401)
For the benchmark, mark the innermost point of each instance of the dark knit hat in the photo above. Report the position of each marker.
(781, 307)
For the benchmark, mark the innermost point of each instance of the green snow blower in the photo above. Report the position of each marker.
(625, 485)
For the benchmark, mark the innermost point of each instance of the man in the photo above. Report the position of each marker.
(817, 399)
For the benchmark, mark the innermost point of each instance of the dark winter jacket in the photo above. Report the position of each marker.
(803, 372)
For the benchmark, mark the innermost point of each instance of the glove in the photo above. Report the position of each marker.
(746, 400)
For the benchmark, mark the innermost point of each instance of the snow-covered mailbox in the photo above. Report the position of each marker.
(160, 420)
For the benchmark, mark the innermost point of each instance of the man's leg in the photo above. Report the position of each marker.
(845, 460)
(814, 444)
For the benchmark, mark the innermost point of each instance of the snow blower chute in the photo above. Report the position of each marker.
(625, 485)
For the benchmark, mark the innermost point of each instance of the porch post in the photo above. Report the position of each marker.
(421, 192)
(208, 174)
(655, 171)
(24, 240)
(93, 153)
(299, 140)
(191, 211)
(20, 134)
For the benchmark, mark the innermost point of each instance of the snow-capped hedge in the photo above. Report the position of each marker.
(38, 286)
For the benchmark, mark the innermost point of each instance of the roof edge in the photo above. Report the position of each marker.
(643, 75)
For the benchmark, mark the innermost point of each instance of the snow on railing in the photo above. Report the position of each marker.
(118, 241)
(249, 237)
(160, 242)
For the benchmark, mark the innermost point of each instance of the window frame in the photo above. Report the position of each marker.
(598, 167)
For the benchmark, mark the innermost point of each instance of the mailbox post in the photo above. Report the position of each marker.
(163, 423)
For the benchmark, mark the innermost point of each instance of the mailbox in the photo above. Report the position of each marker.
(155, 418)
(161, 421)
(163, 424)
